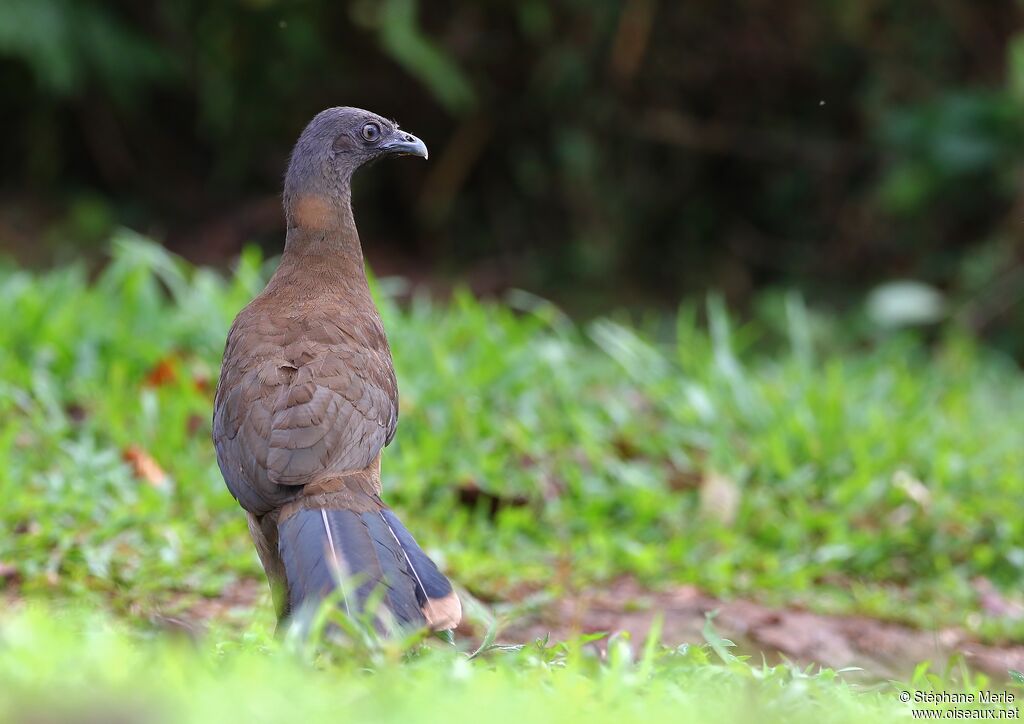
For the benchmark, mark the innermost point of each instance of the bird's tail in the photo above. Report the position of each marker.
(360, 553)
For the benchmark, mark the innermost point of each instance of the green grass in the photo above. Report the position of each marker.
(793, 458)
(105, 672)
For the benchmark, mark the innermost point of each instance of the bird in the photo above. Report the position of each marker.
(307, 400)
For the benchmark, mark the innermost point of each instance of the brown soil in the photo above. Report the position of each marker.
(882, 648)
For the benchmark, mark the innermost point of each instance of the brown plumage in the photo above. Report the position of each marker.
(307, 399)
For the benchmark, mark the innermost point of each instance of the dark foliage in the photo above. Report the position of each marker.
(668, 146)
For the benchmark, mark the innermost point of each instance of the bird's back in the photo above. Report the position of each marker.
(307, 391)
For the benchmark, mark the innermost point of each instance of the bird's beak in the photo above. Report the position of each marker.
(404, 144)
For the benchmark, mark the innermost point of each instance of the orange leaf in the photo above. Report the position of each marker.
(144, 466)
(163, 372)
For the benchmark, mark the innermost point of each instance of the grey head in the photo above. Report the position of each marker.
(336, 143)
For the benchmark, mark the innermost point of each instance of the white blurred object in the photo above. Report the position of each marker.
(905, 303)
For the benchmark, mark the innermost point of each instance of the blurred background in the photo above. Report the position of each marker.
(601, 153)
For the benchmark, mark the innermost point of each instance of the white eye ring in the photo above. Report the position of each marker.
(371, 132)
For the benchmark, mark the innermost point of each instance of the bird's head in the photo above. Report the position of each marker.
(334, 145)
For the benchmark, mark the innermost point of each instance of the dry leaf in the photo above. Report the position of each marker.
(719, 497)
(145, 467)
(163, 372)
(914, 488)
(201, 379)
(471, 495)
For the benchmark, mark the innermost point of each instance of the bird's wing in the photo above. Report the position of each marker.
(302, 401)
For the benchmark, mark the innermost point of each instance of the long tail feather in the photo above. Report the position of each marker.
(323, 549)
(438, 601)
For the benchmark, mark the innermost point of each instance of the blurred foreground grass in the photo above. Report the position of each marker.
(792, 458)
(61, 667)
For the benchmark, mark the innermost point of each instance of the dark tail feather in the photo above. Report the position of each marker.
(438, 601)
(324, 549)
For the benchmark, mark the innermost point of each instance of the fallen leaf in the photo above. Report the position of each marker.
(473, 496)
(719, 497)
(145, 467)
(914, 488)
(201, 380)
(162, 373)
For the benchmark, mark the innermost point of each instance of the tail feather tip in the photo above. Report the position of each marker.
(443, 613)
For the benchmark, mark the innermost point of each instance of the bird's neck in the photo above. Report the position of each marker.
(322, 253)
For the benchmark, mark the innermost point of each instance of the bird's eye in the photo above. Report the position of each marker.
(371, 132)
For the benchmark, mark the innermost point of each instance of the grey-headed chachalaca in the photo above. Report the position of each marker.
(307, 399)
